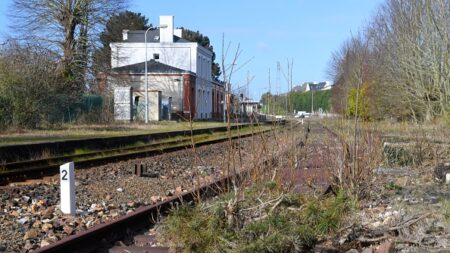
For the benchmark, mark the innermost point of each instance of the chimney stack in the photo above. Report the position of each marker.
(125, 35)
(166, 29)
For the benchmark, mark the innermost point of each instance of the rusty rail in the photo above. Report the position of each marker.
(102, 235)
(53, 168)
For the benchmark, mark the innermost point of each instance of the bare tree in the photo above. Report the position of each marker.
(69, 27)
(405, 68)
(412, 40)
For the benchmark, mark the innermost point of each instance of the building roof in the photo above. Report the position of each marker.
(315, 86)
(138, 36)
(300, 88)
(152, 67)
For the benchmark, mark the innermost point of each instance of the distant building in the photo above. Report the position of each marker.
(248, 107)
(178, 68)
(316, 86)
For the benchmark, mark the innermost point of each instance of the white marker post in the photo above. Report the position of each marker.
(67, 179)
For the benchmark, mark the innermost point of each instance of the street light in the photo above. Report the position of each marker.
(180, 98)
(146, 77)
(146, 74)
(312, 102)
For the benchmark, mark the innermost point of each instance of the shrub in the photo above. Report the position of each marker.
(361, 105)
(5, 112)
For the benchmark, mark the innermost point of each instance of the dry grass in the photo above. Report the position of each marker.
(400, 200)
(260, 213)
(435, 131)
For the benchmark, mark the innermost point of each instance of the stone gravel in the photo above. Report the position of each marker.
(29, 212)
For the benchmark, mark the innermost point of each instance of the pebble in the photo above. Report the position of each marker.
(14, 213)
(37, 224)
(68, 230)
(103, 193)
(34, 208)
(89, 223)
(24, 220)
(26, 198)
(31, 234)
(155, 199)
(367, 250)
(386, 247)
(92, 208)
(46, 242)
(48, 213)
(46, 227)
(28, 245)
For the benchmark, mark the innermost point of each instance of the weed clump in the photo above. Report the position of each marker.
(195, 230)
(267, 220)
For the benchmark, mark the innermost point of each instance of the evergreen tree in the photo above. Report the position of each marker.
(126, 20)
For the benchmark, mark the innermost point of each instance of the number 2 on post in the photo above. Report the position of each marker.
(64, 174)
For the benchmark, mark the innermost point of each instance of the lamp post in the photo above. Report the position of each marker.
(223, 110)
(312, 102)
(146, 77)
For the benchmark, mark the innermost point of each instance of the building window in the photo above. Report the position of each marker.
(156, 56)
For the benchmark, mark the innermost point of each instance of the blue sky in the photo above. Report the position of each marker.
(307, 31)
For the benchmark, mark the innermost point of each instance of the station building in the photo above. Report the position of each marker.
(179, 74)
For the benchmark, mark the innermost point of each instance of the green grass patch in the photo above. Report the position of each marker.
(391, 186)
(81, 151)
(266, 220)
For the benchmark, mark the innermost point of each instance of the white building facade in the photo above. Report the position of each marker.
(166, 45)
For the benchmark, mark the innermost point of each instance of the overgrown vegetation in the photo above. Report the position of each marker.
(262, 212)
(34, 95)
(265, 220)
(46, 70)
(399, 61)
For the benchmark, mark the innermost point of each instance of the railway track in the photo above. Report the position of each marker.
(31, 151)
(101, 237)
(22, 170)
(105, 237)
